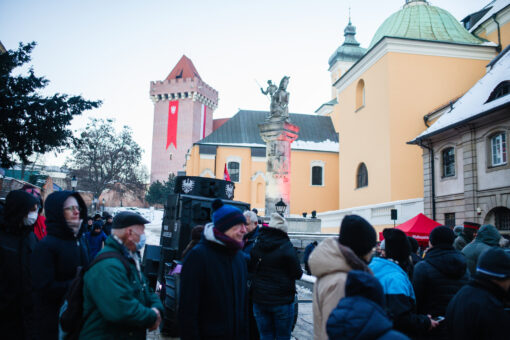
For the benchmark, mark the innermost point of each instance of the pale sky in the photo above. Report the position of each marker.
(112, 49)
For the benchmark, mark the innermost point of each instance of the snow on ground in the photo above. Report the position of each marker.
(155, 216)
(308, 278)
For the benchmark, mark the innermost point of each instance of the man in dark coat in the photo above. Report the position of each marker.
(107, 228)
(478, 309)
(360, 314)
(488, 236)
(275, 267)
(213, 290)
(17, 242)
(57, 257)
(467, 235)
(118, 304)
(439, 277)
(249, 238)
(306, 255)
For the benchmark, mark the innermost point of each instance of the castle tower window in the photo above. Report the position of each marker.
(233, 170)
(362, 176)
(360, 94)
(448, 157)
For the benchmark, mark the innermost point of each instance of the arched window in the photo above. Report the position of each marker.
(362, 176)
(448, 158)
(499, 153)
(501, 90)
(317, 175)
(233, 170)
(360, 94)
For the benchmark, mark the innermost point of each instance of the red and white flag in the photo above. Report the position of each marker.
(171, 132)
(203, 117)
(226, 175)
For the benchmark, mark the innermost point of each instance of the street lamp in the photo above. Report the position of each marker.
(104, 201)
(94, 201)
(74, 182)
(280, 207)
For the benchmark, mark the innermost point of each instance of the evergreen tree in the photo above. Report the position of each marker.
(158, 192)
(31, 123)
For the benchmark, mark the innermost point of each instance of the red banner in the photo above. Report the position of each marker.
(171, 132)
(226, 175)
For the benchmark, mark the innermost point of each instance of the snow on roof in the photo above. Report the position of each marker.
(474, 102)
(326, 146)
(497, 5)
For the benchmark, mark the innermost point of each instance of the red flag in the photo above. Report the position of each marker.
(226, 175)
(171, 132)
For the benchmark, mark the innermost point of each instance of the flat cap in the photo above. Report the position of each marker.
(127, 219)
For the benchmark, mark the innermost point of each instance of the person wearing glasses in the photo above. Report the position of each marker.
(56, 258)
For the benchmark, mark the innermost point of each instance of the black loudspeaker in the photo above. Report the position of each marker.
(394, 214)
(205, 187)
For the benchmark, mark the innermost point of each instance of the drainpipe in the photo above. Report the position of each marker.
(499, 33)
(432, 177)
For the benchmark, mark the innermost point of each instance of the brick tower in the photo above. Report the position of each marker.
(183, 114)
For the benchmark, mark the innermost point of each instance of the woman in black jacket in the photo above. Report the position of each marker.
(275, 266)
(56, 258)
(17, 242)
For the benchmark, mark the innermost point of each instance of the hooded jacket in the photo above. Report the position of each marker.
(330, 262)
(436, 280)
(477, 312)
(400, 298)
(275, 267)
(359, 315)
(17, 243)
(213, 291)
(54, 263)
(117, 304)
(488, 236)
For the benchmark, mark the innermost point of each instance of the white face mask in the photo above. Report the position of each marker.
(30, 219)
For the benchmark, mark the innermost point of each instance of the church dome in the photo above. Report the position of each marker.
(419, 20)
(350, 50)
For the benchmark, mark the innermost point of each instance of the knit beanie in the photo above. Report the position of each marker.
(441, 235)
(494, 263)
(357, 234)
(226, 216)
(396, 244)
(278, 222)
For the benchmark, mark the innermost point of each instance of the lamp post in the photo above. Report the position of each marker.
(104, 202)
(74, 182)
(94, 202)
(280, 207)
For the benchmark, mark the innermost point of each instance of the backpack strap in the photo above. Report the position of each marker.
(109, 255)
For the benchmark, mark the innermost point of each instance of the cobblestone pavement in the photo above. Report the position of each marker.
(304, 325)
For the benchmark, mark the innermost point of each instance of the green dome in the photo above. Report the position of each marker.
(418, 20)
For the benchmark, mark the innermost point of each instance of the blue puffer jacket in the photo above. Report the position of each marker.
(359, 315)
(400, 298)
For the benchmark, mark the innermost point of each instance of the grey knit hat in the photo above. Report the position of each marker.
(278, 222)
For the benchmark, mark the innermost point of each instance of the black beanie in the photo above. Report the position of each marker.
(494, 263)
(441, 235)
(357, 234)
(397, 246)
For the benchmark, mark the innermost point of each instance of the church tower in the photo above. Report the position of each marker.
(183, 114)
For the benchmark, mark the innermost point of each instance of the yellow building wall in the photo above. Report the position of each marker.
(399, 90)
(305, 197)
(251, 186)
(364, 138)
(493, 36)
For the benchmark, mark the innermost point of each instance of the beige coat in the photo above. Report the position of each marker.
(330, 262)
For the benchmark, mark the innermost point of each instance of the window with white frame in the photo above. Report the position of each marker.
(498, 149)
(233, 170)
(317, 173)
(448, 156)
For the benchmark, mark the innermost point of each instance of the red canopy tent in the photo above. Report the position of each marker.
(419, 227)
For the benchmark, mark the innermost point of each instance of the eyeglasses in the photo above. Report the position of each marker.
(73, 208)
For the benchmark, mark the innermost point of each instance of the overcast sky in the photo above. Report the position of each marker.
(112, 49)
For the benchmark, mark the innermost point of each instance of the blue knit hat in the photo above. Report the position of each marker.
(226, 216)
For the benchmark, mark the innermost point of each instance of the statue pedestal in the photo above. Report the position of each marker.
(278, 135)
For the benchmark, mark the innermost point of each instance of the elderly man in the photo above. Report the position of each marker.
(117, 303)
(213, 297)
(252, 229)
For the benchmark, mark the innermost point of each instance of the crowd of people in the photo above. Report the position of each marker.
(41, 258)
(238, 277)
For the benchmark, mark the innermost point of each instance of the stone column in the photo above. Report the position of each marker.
(278, 135)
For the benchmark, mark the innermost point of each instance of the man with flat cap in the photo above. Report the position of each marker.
(117, 302)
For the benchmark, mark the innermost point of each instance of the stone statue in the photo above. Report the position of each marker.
(279, 109)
